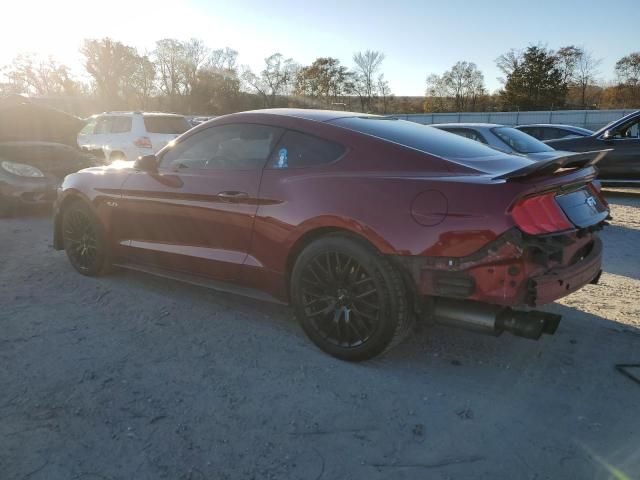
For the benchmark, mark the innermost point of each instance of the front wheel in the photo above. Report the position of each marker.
(84, 240)
(349, 299)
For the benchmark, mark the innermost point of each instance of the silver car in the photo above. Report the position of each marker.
(501, 137)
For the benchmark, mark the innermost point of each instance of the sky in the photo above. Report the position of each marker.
(418, 38)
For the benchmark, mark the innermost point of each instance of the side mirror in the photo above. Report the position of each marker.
(146, 163)
(608, 135)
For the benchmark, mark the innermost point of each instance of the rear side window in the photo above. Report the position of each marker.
(467, 133)
(295, 150)
(165, 124)
(426, 139)
(120, 124)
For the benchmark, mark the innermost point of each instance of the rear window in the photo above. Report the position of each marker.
(168, 124)
(420, 137)
(520, 141)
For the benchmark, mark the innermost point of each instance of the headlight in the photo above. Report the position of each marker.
(20, 169)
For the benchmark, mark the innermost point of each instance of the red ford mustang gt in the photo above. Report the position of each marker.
(361, 222)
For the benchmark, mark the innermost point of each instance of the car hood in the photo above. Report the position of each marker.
(55, 159)
(23, 120)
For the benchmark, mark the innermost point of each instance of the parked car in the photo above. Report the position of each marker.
(549, 131)
(195, 121)
(128, 135)
(36, 153)
(504, 138)
(361, 222)
(621, 166)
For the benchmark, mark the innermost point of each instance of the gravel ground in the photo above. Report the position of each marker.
(134, 377)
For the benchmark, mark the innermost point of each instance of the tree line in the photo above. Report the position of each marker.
(192, 78)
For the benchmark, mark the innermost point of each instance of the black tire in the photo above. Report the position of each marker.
(84, 240)
(349, 299)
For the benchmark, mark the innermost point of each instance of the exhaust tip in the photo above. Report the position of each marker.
(530, 324)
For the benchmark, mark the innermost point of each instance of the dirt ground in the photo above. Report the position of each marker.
(134, 377)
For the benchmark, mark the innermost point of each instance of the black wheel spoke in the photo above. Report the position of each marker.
(81, 238)
(340, 298)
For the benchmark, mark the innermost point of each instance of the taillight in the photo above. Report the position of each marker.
(142, 142)
(540, 214)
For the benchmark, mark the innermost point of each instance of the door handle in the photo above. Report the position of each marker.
(233, 195)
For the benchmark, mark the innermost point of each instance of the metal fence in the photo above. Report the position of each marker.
(592, 119)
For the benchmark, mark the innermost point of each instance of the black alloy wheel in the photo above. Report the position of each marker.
(349, 299)
(84, 240)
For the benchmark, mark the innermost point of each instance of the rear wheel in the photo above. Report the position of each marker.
(349, 299)
(84, 240)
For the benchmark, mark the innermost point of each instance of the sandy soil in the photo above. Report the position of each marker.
(134, 377)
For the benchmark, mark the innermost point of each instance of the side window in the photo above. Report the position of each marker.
(297, 149)
(240, 146)
(120, 124)
(553, 133)
(631, 130)
(89, 127)
(103, 125)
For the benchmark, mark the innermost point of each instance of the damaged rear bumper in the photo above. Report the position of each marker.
(514, 270)
(560, 282)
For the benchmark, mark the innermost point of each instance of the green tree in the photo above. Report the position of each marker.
(536, 82)
(112, 65)
(325, 80)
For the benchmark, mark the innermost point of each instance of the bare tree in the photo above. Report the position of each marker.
(169, 59)
(367, 65)
(463, 83)
(508, 62)
(29, 73)
(567, 62)
(385, 92)
(195, 54)
(276, 79)
(142, 82)
(586, 70)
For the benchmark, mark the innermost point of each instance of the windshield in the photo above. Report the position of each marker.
(166, 124)
(520, 141)
(420, 137)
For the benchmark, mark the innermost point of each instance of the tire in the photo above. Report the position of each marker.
(350, 301)
(84, 240)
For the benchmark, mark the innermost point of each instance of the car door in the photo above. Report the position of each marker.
(195, 214)
(623, 163)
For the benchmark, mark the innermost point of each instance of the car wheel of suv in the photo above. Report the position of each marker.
(84, 240)
(349, 299)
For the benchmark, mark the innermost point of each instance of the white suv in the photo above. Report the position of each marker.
(128, 135)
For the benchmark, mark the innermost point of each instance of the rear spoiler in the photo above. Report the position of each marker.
(573, 160)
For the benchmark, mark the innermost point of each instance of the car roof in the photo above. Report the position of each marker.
(467, 125)
(553, 125)
(306, 114)
(146, 114)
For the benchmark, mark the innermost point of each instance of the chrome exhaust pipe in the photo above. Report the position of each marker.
(494, 319)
